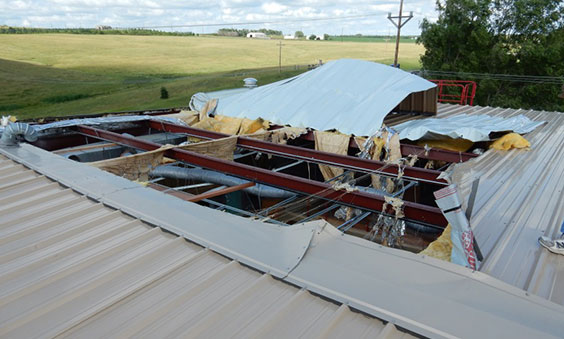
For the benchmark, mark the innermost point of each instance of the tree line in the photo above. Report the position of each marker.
(513, 49)
(132, 31)
(243, 32)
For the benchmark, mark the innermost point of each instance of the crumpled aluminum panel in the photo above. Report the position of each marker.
(472, 127)
(109, 121)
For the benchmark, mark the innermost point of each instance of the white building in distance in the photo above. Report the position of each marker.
(256, 35)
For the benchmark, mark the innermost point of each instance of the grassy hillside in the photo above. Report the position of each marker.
(58, 74)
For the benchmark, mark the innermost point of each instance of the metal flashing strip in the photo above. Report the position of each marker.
(279, 248)
(424, 295)
(431, 297)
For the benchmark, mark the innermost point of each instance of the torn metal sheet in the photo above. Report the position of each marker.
(104, 121)
(520, 198)
(352, 96)
(471, 127)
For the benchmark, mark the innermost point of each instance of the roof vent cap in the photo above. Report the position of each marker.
(250, 82)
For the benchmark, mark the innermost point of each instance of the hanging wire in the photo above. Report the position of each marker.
(539, 79)
(296, 206)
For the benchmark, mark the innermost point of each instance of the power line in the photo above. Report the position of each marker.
(276, 21)
(501, 77)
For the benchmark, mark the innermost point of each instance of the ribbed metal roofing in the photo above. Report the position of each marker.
(72, 267)
(353, 96)
(520, 198)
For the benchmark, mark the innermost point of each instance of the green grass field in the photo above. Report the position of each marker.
(65, 74)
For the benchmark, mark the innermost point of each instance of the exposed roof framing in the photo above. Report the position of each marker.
(319, 157)
(414, 211)
(422, 153)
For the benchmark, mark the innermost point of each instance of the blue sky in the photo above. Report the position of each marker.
(130, 13)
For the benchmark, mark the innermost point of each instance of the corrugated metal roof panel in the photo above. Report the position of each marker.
(353, 96)
(520, 198)
(74, 278)
(72, 267)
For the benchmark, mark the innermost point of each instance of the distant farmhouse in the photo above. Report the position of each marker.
(289, 37)
(257, 35)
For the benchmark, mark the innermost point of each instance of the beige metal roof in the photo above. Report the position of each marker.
(69, 262)
(520, 198)
(73, 267)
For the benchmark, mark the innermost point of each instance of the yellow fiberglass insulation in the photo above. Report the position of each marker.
(457, 145)
(509, 141)
(440, 248)
(232, 125)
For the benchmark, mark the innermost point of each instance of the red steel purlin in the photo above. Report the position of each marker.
(368, 201)
(300, 153)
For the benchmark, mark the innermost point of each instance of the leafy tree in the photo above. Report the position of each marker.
(508, 37)
(299, 34)
(325, 36)
(312, 37)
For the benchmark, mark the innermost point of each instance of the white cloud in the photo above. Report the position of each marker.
(273, 7)
(287, 14)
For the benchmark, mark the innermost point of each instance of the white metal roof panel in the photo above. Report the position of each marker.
(353, 96)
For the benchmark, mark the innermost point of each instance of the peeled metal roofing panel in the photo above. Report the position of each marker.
(73, 283)
(472, 127)
(520, 198)
(97, 272)
(353, 96)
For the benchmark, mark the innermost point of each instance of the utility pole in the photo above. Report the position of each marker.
(280, 56)
(399, 25)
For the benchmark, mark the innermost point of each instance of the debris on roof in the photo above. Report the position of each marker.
(518, 200)
(509, 141)
(470, 127)
(440, 248)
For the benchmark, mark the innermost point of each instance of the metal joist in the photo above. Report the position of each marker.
(368, 201)
(421, 152)
(319, 157)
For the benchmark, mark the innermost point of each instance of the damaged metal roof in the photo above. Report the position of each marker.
(72, 267)
(472, 127)
(72, 262)
(353, 96)
(519, 198)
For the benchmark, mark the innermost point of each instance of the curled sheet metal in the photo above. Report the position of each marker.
(472, 127)
(353, 96)
(106, 121)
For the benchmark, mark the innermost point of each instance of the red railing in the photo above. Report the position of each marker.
(456, 91)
